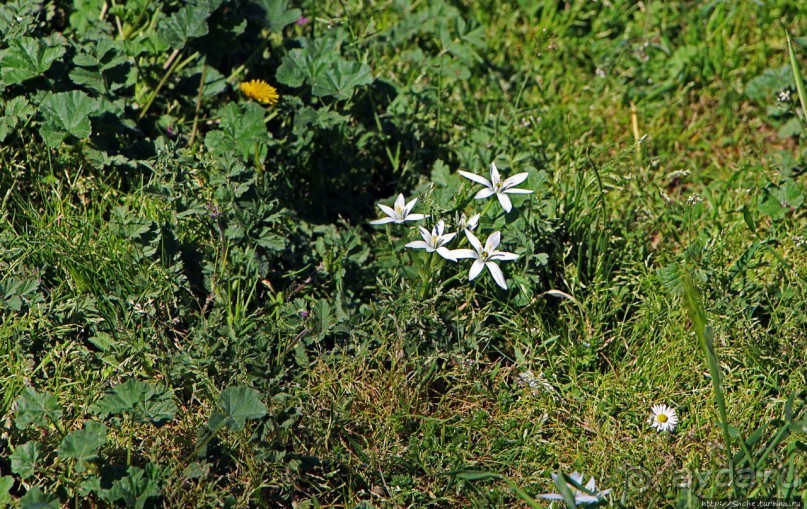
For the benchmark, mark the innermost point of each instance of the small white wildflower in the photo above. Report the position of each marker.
(485, 256)
(694, 199)
(664, 418)
(799, 241)
(784, 96)
(399, 212)
(591, 495)
(467, 223)
(434, 241)
(501, 188)
(600, 72)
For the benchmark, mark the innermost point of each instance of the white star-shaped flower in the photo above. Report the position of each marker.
(399, 212)
(580, 498)
(485, 256)
(467, 223)
(435, 241)
(501, 188)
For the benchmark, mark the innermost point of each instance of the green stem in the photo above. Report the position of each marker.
(177, 65)
(427, 278)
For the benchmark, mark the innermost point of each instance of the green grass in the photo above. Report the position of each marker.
(652, 216)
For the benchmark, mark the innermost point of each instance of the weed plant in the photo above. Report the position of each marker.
(211, 294)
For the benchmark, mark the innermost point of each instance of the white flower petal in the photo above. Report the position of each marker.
(476, 268)
(503, 256)
(414, 217)
(496, 272)
(586, 499)
(447, 237)
(494, 174)
(515, 180)
(476, 178)
(463, 253)
(445, 253)
(441, 225)
(484, 193)
(473, 221)
(399, 202)
(409, 206)
(383, 220)
(493, 241)
(474, 241)
(516, 190)
(505, 201)
(418, 244)
(427, 237)
(387, 210)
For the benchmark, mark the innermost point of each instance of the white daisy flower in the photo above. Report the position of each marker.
(399, 212)
(501, 188)
(664, 418)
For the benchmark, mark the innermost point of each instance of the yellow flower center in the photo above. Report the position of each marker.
(399, 210)
(661, 418)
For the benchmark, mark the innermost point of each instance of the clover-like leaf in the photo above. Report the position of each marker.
(82, 445)
(66, 113)
(27, 58)
(340, 79)
(187, 23)
(24, 458)
(35, 408)
(303, 65)
(35, 498)
(235, 406)
(242, 127)
(136, 488)
(6, 483)
(103, 67)
(275, 14)
(140, 399)
(318, 65)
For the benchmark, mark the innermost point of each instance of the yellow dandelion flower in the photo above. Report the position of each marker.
(261, 91)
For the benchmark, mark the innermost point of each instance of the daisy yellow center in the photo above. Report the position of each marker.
(662, 418)
(260, 91)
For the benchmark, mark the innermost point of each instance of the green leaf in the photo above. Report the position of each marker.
(82, 445)
(764, 87)
(141, 400)
(340, 80)
(235, 406)
(23, 459)
(17, 111)
(275, 14)
(27, 58)
(316, 65)
(135, 489)
(242, 128)
(66, 113)
(185, 24)
(6, 483)
(103, 67)
(37, 409)
(38, 499)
